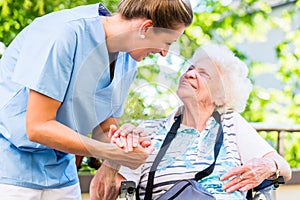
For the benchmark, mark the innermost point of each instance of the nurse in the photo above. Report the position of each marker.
(67, 74)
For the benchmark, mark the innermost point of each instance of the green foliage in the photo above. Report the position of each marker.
(15, 15)
(153, 94)
(292, 144)
(85, 168)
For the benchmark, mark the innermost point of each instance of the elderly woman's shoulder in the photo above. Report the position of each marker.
(152, 122)
(232, 116)
(236, 119)
(229, 115)
(152, 125)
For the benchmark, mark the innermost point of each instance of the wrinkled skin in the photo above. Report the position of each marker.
(103, 184)
(248, 176)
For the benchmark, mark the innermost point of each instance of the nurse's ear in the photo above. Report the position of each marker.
(146, 23)
(144, 26)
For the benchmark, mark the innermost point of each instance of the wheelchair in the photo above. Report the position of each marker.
(264, 190)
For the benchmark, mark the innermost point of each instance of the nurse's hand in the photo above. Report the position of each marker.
(132, 159)
(132, 146)
(129, 137)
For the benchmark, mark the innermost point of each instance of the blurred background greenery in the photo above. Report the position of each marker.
(239, 24)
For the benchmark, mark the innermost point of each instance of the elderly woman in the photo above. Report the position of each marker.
(216, 81)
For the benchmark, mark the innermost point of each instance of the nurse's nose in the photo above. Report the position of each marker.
(164, 52)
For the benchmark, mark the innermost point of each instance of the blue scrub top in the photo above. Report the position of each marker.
(62, 55)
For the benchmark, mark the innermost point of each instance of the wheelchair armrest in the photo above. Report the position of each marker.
(266, 183)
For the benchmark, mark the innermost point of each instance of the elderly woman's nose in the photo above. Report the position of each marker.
(190, 74)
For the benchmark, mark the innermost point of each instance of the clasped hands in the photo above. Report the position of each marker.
(132, 141)
(129, 136)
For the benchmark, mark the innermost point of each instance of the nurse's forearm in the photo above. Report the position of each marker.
(62, 138)
(100, 132)
(58, 136)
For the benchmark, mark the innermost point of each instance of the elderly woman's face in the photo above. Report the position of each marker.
(201, 82)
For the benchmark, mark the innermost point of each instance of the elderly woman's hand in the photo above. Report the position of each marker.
(250, 175)
(129, 136)
(103, 184)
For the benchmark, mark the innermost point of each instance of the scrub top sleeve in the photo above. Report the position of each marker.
(46, 57)
(250, 143)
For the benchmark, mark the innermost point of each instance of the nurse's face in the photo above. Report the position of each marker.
(155, 41)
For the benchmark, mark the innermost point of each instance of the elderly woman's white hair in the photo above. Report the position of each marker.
(233, 74)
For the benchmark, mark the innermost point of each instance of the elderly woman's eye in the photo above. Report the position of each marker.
(191, 68)
(204, 74)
